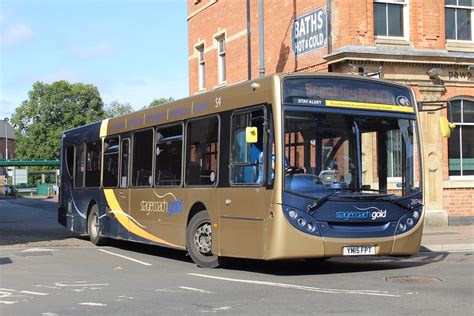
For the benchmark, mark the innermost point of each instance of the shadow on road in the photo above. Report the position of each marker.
(295, 267)
(335, 265)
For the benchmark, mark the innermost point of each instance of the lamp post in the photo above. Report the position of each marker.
(6, 154)
(6, 138)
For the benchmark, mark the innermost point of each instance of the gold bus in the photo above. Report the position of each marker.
(286, 166)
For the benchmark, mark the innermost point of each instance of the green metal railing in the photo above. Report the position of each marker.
(27, 163)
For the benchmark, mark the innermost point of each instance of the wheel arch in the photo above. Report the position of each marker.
(196, 208)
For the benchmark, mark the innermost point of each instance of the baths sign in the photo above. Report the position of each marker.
(309, 32)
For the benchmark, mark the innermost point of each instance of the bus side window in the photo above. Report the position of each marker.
(202, 151)
(142, 165)
(93, 156)
(247, 159)
(111, 158)
(169, 141)
(125, 153)
(79, 172)
(70, 161)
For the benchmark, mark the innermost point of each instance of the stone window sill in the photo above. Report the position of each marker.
(460, 46)
(392, 41)
(459, 183)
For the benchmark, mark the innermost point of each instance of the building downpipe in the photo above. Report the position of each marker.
(329, 26)
(261, 38)
(249, 47)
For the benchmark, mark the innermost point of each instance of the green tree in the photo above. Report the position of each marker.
(116, 108)
(50, 110)
(159, 101)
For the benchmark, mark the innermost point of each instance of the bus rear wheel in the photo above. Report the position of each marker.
(199, 241)
(93, 227)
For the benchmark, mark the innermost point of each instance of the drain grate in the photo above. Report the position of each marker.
(412, 279)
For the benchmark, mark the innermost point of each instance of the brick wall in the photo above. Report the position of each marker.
(352, 24)
(459, 201)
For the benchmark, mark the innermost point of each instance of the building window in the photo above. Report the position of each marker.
(394, 154)
(390, 18)
(221, 58)
(461, 142)
(458, 19)
(202, 68)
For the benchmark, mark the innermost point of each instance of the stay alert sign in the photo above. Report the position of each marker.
(309, 32)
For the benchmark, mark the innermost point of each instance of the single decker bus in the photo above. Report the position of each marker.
(281, 167)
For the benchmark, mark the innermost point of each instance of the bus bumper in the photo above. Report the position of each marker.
(286, 242)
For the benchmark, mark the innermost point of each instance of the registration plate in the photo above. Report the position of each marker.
(358, 250)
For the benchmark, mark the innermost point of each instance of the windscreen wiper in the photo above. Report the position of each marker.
(311, 207)
(396, 201)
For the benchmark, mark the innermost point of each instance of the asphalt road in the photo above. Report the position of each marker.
(68, 276)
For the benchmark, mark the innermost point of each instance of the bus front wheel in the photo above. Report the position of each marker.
(93, 227)
(199, 241)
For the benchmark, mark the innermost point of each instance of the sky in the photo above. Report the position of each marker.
(132, 51)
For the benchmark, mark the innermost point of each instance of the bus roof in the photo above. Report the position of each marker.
(242, 94)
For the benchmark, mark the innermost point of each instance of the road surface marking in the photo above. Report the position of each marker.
(8, 302)
(24, 292)
(38, 250)
(300, 287)
(79, 284)
(125, 257)
(33, 293)
(92, 304)
(194, 289)
(166, 290)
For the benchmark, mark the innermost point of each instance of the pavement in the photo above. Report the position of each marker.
(447, 239)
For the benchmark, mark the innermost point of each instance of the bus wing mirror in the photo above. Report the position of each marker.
(251, 134)
(446, 127)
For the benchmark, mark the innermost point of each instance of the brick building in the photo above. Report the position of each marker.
(427, 44)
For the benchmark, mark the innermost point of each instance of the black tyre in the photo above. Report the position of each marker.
(93, 227)
(199, 241)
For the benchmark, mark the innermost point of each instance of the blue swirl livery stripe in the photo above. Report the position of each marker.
(74, 204)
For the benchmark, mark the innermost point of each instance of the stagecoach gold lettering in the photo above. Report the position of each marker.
(149, 207)
(162, 205)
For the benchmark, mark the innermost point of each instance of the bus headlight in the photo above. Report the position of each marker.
(301, 221)
(416, 215)
(408, 221)
(292, 213)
